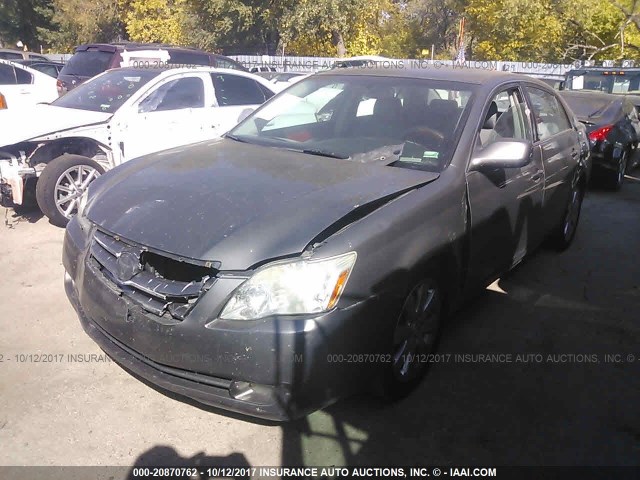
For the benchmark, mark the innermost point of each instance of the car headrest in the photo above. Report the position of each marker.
(491, 118)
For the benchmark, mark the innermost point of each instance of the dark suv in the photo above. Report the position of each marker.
(91, 59)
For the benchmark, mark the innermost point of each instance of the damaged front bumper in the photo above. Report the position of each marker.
(276, 368)
(14, 173)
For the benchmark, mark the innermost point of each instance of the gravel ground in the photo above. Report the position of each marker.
(554, 397)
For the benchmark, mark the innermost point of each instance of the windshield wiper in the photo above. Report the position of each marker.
(74, 75)
(322, 153)
(235, 138)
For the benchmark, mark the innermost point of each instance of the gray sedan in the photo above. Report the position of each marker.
(317, 248)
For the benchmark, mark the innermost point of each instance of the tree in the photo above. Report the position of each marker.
(20, 20)
(161, 21)
(516, 30)
(595, 29)
(333, 27)
(233, 26)
(433, 23)
(74, 22)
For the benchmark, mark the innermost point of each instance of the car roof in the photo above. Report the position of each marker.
(479, 76)
(165, 72)
(606, 69)
(30, 62)
(134, 46)
(24, 54)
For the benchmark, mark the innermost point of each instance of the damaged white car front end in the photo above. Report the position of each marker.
(27, 147)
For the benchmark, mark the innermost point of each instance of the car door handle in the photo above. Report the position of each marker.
(574, 154)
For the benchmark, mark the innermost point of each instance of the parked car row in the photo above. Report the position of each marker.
(91, 59)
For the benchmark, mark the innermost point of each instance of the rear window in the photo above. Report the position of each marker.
(87, 63)
(23, 77)
(10, 55)
(228, 63)
(188, 58)
(107, 92)
(587, 108)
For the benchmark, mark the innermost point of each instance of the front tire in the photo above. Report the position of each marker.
(415, 338)
(563, 235)
(61, 185)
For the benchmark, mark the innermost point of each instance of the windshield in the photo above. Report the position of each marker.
(106, 93)
(406, 122)
(87, 63)
(604, 81)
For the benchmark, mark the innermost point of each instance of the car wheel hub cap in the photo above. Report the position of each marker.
(70, 186)
(572, 213)
(622, 166)
(415, 333)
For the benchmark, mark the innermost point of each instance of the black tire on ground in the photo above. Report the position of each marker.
(563, 234)
(58, 172)
(423, 306)
(616, 177)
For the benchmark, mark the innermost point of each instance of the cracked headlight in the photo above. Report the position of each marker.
(291, 288)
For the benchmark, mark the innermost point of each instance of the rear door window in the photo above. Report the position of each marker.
(236, 90)
(87, 63)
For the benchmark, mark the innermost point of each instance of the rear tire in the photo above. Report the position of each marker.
(415, 337)
(616, 178)
(61, 184)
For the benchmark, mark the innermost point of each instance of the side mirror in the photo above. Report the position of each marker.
(244, 114)
(502, 154)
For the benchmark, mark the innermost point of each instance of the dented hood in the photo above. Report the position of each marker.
(40, 120)
(235, 203)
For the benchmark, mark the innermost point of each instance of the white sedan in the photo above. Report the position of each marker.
(21, 86)
(116, 116)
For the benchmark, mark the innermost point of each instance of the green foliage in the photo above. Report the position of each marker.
(525, 30)
(77, 21)
(161, 21)
(20, 19)
(242, 26)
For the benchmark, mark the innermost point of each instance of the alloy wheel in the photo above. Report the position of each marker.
(573, 210)
(416, 332)
(70, 186)
(622, 168)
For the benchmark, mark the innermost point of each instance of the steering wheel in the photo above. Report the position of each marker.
(424, 136)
